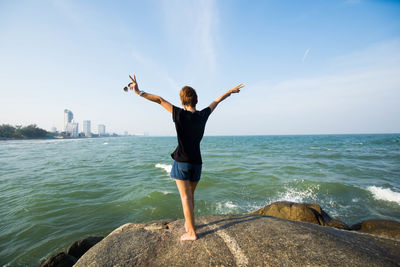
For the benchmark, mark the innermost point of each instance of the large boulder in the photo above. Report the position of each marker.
(69, 257)
(386, 228)
(61, 259)
(240, 240)
(303, 212)
(78, 248)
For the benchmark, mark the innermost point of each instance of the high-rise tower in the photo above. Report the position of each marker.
(68, 117)
(86, 128)
(102, 129)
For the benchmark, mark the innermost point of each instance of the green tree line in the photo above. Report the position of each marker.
(19, 132)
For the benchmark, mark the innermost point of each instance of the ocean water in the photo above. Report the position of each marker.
(54, 192)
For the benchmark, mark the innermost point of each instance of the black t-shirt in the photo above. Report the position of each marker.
(190, 130)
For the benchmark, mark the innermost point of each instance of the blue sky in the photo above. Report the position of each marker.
(310, 67)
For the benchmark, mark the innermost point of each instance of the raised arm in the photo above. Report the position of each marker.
(154, 98)
(234, 90)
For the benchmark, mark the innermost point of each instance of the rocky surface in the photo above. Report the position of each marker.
(61, 259)
(78, 248)
(386, 228)
(241, 240)
(72, 254)
(303, 212)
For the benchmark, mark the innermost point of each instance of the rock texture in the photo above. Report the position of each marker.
(61, 259)
(78, 248)
(303, 212)
(72, 254)
(241, 240)
(386, 228)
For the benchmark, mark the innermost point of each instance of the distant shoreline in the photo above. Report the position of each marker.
(18, 139)
(250, 135)
(53, 138)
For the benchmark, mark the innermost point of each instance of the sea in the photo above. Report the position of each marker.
(54, 192)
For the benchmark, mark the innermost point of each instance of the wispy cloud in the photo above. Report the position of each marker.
(69, 10)
(306, 54)
(205, 24)
(194, 24)
(357, 93)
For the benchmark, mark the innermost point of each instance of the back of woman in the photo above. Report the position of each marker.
(190, 128)
(190, 125)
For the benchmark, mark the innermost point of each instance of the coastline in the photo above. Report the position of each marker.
(241, 240)
(54, 138)
(121, 180)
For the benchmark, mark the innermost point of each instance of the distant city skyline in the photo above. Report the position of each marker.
(310, 67)
(71, 126)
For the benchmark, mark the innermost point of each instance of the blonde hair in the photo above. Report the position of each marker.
(188, 96)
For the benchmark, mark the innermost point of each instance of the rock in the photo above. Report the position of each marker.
(73, 252)
(240, 240)
(386, 228)
(78, 248)
(303, 212)
(59, 260)
(336, 224)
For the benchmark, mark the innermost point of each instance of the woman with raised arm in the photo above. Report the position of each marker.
(189, 124)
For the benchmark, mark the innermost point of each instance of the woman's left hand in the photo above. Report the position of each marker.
(236, 89)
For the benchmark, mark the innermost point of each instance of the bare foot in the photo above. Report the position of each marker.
(188, 237)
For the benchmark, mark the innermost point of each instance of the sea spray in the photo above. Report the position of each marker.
(165, 167)
(385, 194)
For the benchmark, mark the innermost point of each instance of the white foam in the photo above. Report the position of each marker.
(230, 205)
(298, 195)
(105, 143)
(165, 167)
(386, 194)
(225, 207)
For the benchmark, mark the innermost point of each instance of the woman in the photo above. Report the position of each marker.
(189, 124)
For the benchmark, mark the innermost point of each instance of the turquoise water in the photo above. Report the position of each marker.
(53, 192)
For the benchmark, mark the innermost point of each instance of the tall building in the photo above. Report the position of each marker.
(102, 129)
(86, 128)
(68, 117)
(72, 129)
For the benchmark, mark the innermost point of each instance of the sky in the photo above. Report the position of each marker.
(309, 67)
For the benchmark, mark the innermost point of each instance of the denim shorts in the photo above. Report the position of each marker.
(186, 171)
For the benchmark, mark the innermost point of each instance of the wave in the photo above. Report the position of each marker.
(226, 207)
(165, 167)
(300, 191)
(385, 194)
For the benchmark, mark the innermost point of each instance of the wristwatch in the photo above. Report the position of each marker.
(141, 93)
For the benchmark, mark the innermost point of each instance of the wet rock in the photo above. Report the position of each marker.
(303, 212)
(386, 228)
(336, 224)
(78, 248)
(72, 254)
(61, 259)
(240, 240)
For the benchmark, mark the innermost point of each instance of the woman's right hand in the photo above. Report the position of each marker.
(133, 85)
